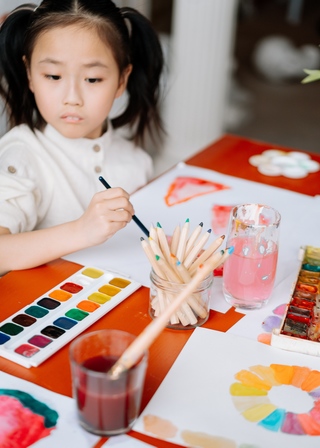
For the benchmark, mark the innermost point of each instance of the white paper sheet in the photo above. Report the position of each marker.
(123, 252)
(195, 395)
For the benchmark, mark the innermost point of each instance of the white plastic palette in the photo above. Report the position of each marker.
(293, 164)
(38, 330)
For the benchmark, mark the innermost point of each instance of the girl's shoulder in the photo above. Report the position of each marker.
(126, 147)
(20, 150)
(19, 135)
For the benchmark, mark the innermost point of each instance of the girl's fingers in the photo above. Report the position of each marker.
(112, 193)
(118, 216)
(114, 202)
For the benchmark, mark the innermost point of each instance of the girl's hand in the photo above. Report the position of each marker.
(108, 212)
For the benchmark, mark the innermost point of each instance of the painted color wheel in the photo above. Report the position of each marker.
(250, 397)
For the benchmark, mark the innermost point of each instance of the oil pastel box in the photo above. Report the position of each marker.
(38, 330)
(300, 327)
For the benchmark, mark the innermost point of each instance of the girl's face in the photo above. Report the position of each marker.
(75, 80)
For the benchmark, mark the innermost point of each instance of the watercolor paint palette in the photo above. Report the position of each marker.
(38, 330)
(300, 327)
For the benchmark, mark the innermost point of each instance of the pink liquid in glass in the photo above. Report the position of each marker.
(249, 273)
(106, 406)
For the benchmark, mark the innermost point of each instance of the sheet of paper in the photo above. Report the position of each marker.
(28, 410)
(233, 392)
(123, 252)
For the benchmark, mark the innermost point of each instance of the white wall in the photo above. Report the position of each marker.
(200, 64)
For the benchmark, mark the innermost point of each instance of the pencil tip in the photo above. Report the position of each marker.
(141, 238)
(209, 230)
(231, 249)
(157, 257)
(222, 237)
(187, 220)
(158, 224)
(201, 224)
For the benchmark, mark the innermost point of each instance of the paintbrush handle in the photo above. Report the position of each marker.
(152, 331)
(135, 219)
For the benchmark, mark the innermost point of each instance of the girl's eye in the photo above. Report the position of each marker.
(53, 77)
(93, 80)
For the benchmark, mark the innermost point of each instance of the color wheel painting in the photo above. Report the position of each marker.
(184, 188)
(23, 419)
(225, 391)
(250, 397)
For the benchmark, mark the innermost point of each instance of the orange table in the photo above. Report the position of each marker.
(228, 155)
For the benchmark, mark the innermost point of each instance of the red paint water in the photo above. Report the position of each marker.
(249, 273)
(106, 406)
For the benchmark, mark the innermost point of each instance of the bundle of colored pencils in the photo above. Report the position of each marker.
(175, 263)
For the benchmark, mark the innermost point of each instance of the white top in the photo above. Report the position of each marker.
(47, 179)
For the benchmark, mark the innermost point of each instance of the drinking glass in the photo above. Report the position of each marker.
(106, 406)
(249, 273)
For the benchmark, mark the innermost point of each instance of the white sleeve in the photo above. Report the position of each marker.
(19, 191)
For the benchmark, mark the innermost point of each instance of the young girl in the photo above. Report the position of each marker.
(62, 65)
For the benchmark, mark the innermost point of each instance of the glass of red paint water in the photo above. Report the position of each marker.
(249, 274)
(105, 406)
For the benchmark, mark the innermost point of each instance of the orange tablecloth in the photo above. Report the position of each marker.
(228, 155)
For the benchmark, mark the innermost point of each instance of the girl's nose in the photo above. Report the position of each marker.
(72, 94)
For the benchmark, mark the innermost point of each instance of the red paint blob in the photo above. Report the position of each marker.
(73, 288)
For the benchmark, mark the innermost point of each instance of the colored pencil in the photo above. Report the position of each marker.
(175, 240)
(196, 249)
(193, 238)
(153, 234)
(206, 254)
(134, 217)
(163, 242)
(158, 304)
(155, 247)
(151, 257)
(136, 349)
(194, 301)
(183, 240)
(167, 269)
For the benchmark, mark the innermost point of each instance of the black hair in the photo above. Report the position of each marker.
(128, 33)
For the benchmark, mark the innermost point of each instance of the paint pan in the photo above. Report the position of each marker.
(300, 328)
(38, 330)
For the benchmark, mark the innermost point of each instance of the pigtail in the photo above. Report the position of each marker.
(144, 81)
(14, 87)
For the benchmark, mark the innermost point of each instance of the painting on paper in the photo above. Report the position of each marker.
(33, 416)
(185, 188)
(233, 392)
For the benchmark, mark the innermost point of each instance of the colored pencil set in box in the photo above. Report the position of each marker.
(300, 328)
(174, 262)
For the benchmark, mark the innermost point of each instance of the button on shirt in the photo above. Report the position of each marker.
(47, 179)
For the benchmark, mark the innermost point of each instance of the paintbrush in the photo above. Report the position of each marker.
(135, 219)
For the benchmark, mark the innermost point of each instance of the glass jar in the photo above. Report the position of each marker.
(194, 312)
